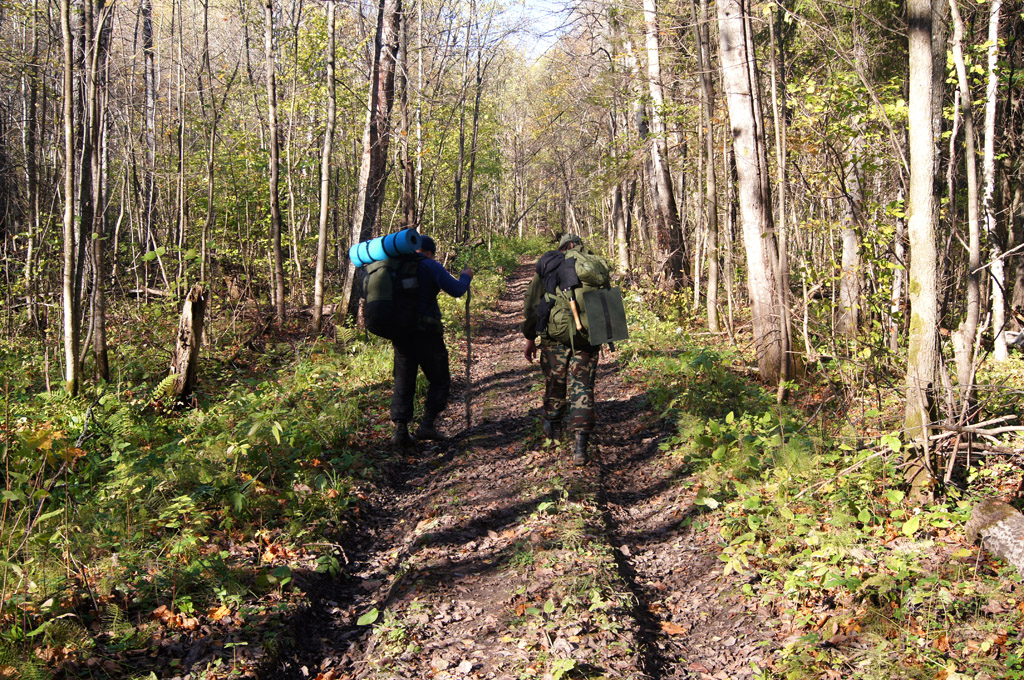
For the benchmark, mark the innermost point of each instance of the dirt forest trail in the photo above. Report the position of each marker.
(492, 556)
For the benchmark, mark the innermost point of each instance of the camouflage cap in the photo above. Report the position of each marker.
(569, 238)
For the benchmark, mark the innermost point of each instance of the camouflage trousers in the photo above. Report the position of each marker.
(578, 368)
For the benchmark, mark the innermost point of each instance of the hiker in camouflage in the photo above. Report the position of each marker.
(563, 366)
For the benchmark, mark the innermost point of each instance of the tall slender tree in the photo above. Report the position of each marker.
(710, 198)
(72, 324)
(276, 222)
(325, 171)
(669, 233)
(99, 39)
(996, 266)
(410, 170)
(922, 350)
(32, 130)
(964, 341)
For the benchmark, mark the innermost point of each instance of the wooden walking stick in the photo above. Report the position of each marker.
(469, 351)
(469, 363)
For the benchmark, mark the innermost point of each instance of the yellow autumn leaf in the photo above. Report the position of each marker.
(218, 613)
(72, 453)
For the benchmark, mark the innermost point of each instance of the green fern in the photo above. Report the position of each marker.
(33, 670)
(114, 621)
(346, 334)
(68, 633)
(28, 666)
(165, 388)
(119, 422)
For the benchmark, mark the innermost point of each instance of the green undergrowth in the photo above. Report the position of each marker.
(813, 518)
(117, 510)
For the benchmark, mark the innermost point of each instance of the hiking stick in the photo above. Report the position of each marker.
(469, 363)
(469, 349)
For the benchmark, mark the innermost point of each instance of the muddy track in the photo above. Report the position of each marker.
(491, 556)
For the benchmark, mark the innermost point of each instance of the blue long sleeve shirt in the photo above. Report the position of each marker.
(433, 279)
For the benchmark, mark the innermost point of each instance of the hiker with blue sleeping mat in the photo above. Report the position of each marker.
(423, 348)
(401, 290)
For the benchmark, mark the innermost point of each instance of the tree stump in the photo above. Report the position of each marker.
(185, 361)
(1001, 529)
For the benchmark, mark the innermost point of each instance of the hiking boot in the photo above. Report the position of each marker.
(579, 454)
(401, 437)
(552, 428)
(426, 430)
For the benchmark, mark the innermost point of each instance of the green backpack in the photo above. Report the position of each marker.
(602, 315)
(391, 289)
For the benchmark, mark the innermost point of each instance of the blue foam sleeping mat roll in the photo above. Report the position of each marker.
(402, 242)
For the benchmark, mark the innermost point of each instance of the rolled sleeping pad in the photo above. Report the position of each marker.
(376, 249)
(359, 254)
(403, 242)
(381, 248)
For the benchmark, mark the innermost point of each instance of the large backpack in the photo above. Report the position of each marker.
(595, 301)
(391, 289)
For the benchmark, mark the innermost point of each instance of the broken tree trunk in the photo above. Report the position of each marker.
(1001, 529)
(185, 361)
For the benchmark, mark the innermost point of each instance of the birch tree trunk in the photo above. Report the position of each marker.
(325, 172)
(181, 195)
(710, 180)
(72, 329)
(922, 351)
(149, 170)
(852, 224)
(621, 200)
(31, 169)
(740, 85)
(996, 267)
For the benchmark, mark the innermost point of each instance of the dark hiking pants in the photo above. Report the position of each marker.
(578, 368)
(428, 352)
